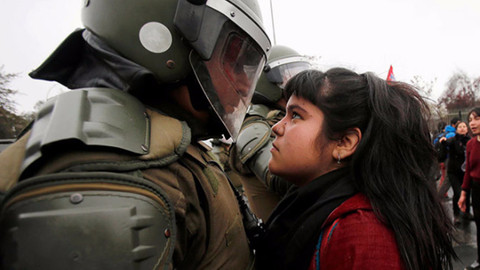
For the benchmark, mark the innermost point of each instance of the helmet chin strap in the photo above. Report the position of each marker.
(197, 97)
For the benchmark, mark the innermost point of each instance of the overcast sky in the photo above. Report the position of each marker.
(429, 38)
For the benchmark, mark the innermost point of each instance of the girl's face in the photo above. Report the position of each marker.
(462, 128)
(301, 152)
(474, 123)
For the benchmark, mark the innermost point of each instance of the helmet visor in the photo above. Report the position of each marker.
(228, 79)
(281, 74)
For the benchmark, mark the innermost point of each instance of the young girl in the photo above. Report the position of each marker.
(471, 179)
(358, 151)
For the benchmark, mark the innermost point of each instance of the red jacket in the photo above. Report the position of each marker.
(472, 168)
(353, 238)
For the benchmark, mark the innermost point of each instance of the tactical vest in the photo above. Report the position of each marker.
(83, 201)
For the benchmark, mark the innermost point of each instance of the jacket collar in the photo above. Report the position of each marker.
(355, 203)
(296, 221)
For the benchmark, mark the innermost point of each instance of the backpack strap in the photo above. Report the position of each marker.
(327, 232)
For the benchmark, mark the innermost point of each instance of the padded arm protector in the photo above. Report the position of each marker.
(253, 145)
(253, 137)
(258, 164)
(91, 116)
(86, 221)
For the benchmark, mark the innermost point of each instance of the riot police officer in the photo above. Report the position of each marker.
(111, 176)
(250, 155)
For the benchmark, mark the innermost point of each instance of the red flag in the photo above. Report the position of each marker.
(390, 76)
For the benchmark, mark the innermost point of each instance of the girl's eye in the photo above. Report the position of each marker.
(295, 115)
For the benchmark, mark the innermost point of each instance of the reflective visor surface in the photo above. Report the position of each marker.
(228, 79)
(282, 73)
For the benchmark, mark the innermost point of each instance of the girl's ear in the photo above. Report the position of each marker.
(347, 144)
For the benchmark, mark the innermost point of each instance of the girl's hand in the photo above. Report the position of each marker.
(461, 201)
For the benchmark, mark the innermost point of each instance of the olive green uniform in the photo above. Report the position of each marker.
(209, 230)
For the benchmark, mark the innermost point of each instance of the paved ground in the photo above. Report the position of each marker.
(466, 245)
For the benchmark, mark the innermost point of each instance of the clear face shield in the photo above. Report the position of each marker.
(283, 72)
(228, 79)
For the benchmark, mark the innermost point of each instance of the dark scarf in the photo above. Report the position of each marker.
(295, 224)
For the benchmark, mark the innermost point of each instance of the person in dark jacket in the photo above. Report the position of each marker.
(358, 151)
(449, 131)
(444, 183)
(454, 147)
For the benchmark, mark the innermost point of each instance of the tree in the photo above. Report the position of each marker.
(6, 93)
(30, 116)
(461, 92)
(10, 123)
(424, 88)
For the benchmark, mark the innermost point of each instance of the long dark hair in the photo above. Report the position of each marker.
(475, 110)
(393, 159)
